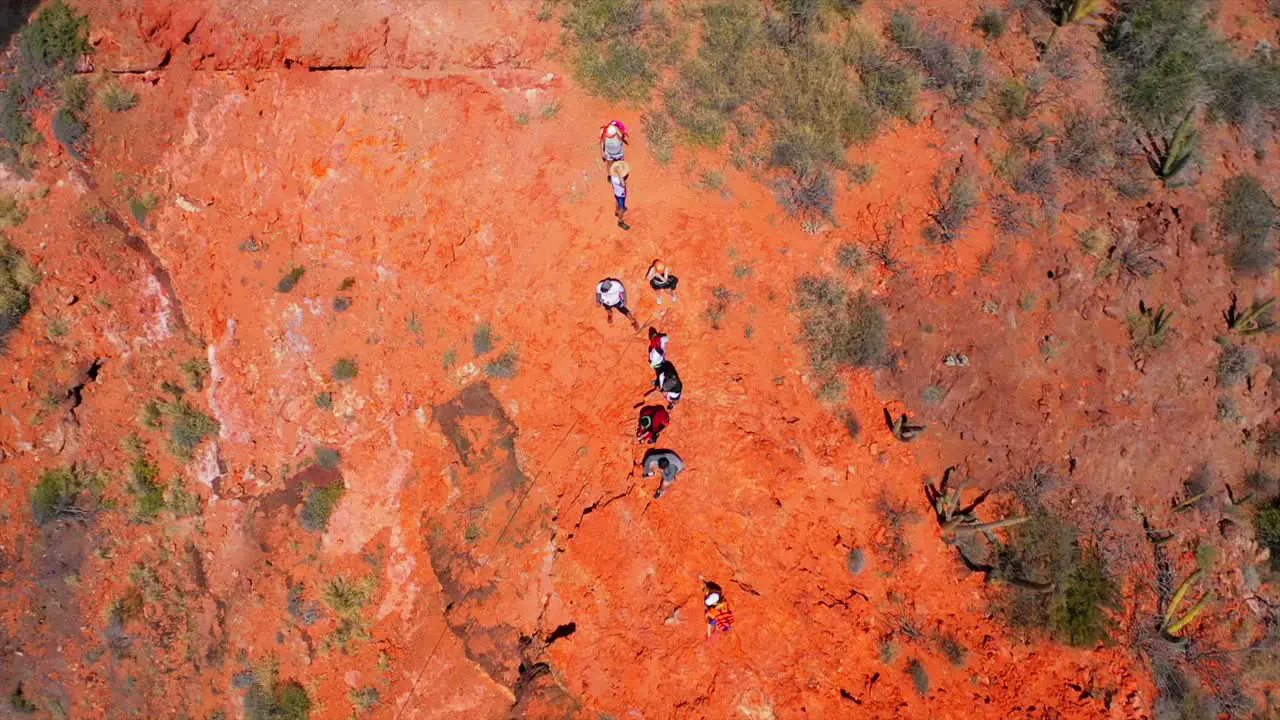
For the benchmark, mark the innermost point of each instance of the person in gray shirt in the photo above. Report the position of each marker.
(668, 462)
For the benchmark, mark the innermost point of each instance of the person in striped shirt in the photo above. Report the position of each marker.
(719, 613)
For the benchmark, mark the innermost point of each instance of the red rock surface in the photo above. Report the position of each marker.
(404, 144)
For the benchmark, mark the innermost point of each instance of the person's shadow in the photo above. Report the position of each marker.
(13, 16)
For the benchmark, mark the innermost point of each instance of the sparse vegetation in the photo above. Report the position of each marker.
(504, 366)
(19, 702)
(347, 598)
(840, 329)
(1266, 526)
(17, 278)
(991, 22)
(182, 502)
(365, 697)
(1234, 364)
(141, 205)
(119, 99)
(195, 370)
(1168, 157)
(955, 205)
(1248, 214)
(319, 506)
(919, 676)
(188, 427)
(11, 211)
(1084, 149)
(959, 73)
(290, 279)
(57, 492)
(345, 369)
(324, 400)
(148, 495)
(851, 257)
(482, 339)
(619, 46)
(270, 699)
(1148, 328)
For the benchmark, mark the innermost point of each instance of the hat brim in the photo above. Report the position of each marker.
(620, 169)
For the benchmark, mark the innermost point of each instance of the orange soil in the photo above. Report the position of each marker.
(488, 523)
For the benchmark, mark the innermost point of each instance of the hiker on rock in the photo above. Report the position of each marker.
(668, 462)
(668, 382)
(719, 614)
(612, 294)
(659, 279)
(613, 141)
(618, 173)
(657, 347)
(653, 420)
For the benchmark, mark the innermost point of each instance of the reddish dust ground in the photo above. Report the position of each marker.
(432, 164)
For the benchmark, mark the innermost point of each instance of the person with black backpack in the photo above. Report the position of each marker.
(668, 382)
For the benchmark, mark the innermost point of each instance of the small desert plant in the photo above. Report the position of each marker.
(660, 132)
(324, 400)
(195, 370)
(345, 368)
(365, 697)
(1266, 526)
(119, 99)
(1248, 215)
(11, 212)
(851, 257)
(17, 278)
(1149, 328)
(188, 427)
(1168, 157)
(290, 279)
(347, 598)
(182, 502)
(1083, 149)
(960, 73)
(504, 366)
(1172, 624)
(991, 22)
(953, 517)
(482, 338)
(618, 47)
(1081, 611)
(1256, 319)
(889, 86)
(19, 702)
(141, 205)
(1234, 364)
(919, 676)
(269, 699)
(56, 493)
(1066, 12)
(902, 427)
(148, 495)
(70, 131)
(839, 329)
(955, 205)
(319, 506)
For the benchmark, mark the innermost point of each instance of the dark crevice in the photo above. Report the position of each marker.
(76, 393)
(562, 631)
(334, 68)
(849, 696)
(186, 39)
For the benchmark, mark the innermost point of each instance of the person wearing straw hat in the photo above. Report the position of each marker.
(613, 141)
(618, 173)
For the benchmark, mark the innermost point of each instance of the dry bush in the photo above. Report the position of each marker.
(960, 73)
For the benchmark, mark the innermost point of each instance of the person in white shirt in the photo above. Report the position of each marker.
(612, 295)
(618, 173)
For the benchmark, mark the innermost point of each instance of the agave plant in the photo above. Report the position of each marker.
(954, 517)
(902, 427)
(1067, 12)
(1252, 321)
(1168, 157)
(1172, 624)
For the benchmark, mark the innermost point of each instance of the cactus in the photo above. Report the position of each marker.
(1167, 158)
(1171, 623)
(902, 427)
(1251, 321)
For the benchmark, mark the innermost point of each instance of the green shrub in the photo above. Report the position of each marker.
(619, 46)
(290, 279)
(141, 205)
(17, 278)
(808, 197)
(327, 457)
(504, 366)
(839, 329)
(919, 676)
(1082, 606)
(365, 697)
(851, 257)
(118, 99)
(1047, 549)
(1159, 52)
(188, 427)
(347, 598)
(1012, 101)
(19, 702)
(324, 400)
(319, 506)
(182, 502)
(345, 368)
(148, 495)
(277, 701)
(661, 134)
(195, 370)
(56, 493)
(70, 131)
(1248, 214)
(482, 339)
(889, 86)
(991, 22)
(1085, 146)
(1245, 90)
(1266, 526)
(75, 94)
(56, 38)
